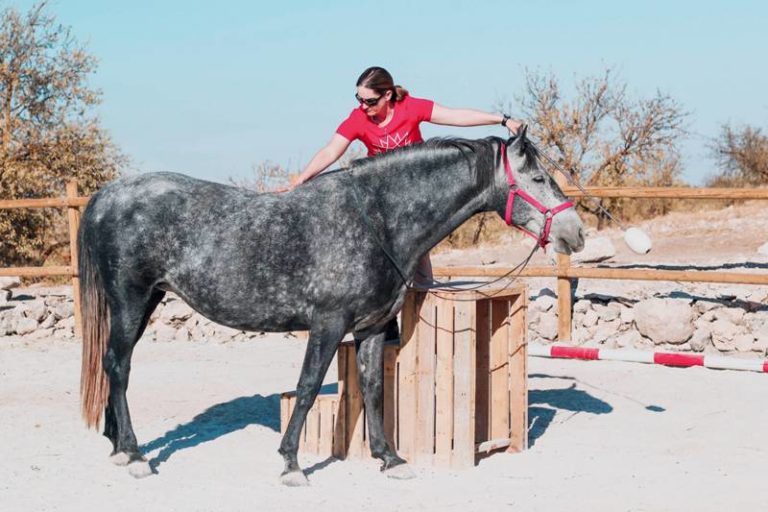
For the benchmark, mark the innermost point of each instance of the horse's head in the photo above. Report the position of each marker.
(528, 198)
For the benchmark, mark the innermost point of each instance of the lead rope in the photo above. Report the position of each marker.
(576, 184)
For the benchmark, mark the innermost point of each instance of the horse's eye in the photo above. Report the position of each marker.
(539, 179)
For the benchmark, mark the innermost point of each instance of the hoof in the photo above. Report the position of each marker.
(294, 479)
(139, 469)
(400, 472)
(120, 459)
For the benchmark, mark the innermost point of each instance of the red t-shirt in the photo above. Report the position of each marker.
(402, 129)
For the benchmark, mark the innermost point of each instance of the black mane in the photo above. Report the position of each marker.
(481, 156)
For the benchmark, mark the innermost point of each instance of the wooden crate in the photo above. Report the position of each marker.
(454, 390)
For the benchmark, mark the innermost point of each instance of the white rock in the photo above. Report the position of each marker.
(590, 318)
(637, 240)
(763, 249)
(606, 330)
(48, 321)
(67, 323)
(544, 303)
(734, 315)
(723, 334)
(547, 327)
(25, 325)
(701, 339)
(582, 335)
(627, 315)
(628, 339)
(35, 310)
(702, 306)
(582, 306)
(63, 310)
(607, 313)
(664, 320)
(743, 342)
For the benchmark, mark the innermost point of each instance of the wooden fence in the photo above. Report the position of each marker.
(563, 271)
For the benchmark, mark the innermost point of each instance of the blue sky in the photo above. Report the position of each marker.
(212, 88)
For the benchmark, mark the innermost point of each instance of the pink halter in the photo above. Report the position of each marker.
(514, 191)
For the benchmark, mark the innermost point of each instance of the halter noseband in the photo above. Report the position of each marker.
(515, 191)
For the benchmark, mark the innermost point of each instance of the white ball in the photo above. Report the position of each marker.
(637, 240)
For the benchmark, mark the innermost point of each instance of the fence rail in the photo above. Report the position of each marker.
(563, 271)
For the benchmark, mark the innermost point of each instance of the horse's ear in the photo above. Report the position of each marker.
(518, 143)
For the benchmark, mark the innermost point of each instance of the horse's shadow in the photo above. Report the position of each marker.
(217, 421)
(220, 420)
(567, 399)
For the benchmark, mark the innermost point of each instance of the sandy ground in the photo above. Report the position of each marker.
(605, 436)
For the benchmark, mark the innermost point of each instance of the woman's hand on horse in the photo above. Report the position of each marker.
(295, 181)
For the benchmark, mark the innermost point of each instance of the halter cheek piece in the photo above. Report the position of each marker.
(515, 191)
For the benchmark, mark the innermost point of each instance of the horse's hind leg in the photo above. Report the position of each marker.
(324, 338)
(370, 364)
(129, 314)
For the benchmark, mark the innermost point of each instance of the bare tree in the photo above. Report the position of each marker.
(603, 136)
(48, 132)
(742, 156)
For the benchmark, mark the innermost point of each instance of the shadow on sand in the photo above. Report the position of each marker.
(220, 420)
(565, 399)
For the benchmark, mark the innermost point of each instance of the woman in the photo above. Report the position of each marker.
(389, 118)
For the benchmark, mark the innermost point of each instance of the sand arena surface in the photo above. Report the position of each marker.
(605, 436)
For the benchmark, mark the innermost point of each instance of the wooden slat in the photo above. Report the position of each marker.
(325, 442)
(354, 414)
(313, 429)
(425, 380)
(482, 376)
(464, 385)
(37, 271)
(45, 202)
(499, 367)
(518, 373)
(444, 384)
(610, 273)
(73, 221)
(407, 368)
(285, 411)
(390, 394)
(340, 432)
(563, 300)
(670, 192)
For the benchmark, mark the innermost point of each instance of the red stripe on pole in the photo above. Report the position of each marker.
(575, 352)
(678, 359)
(765, 367)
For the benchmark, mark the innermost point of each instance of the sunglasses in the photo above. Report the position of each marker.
(367, 101)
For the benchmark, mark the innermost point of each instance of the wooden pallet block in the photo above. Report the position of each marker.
(455, 389)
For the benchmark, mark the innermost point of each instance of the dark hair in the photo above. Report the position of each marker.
(378, 79)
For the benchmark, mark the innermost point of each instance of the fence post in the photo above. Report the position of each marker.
(73, 215)
(563, 299)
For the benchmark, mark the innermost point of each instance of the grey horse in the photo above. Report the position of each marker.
(333, 256)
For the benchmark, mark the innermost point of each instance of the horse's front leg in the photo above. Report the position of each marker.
(324, 338)
(370, 365)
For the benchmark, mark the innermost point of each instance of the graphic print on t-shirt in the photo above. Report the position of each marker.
(394, 141)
